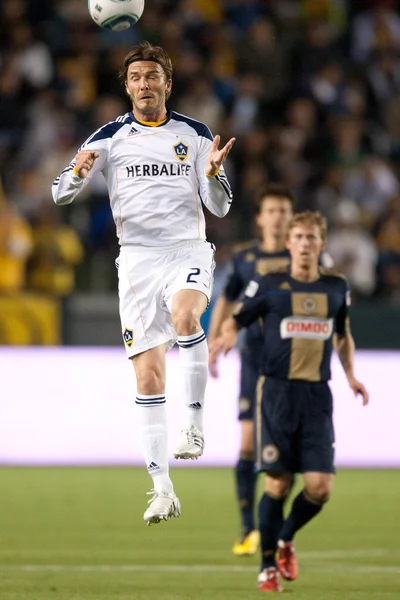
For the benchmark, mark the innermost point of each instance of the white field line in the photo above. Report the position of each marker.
(307, 556)
(336, 568)
(346, 568)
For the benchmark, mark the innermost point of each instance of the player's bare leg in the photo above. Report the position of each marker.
(187, 308)
(151, 413)
(249, 540)
(306, 506)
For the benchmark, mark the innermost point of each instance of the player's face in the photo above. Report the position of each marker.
(305, 245)
(274, 217)
(147, 87)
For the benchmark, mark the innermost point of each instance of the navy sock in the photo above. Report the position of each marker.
(245, 488)
(270, 514)
(303, 510)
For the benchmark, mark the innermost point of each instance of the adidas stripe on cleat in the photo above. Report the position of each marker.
(162, 507)
(191, 444)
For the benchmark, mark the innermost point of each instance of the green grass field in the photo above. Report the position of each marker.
(78, 534)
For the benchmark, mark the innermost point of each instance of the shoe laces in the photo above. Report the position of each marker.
(189, 434)
(192, 433)
(152, 493)
(268, 574)
(156, 495)
(286, 548)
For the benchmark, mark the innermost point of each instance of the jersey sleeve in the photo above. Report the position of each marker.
(68, 185)
(342, 321)
(254, 304)
(215, 192)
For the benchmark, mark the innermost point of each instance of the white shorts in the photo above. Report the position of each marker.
(148, 278)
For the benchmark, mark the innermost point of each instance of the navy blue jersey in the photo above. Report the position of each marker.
(248, 261)
(299, 320)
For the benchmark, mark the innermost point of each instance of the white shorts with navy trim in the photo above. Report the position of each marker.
(148, 279)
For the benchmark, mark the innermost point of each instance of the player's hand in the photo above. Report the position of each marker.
(222, 345)
(213, 368)
(85, 160)
(216, 157)
(359, 388)
(215, 348)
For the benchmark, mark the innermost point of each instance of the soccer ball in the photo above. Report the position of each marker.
(116, 14)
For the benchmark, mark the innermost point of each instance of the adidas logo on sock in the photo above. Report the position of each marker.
(152, 467)
(195, 405)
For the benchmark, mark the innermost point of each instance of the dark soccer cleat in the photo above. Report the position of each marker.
(268, 580)
(287, 560)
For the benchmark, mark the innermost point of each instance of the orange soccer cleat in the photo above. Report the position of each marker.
(287, 560)
(268, 580)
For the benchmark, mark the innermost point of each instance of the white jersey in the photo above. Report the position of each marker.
(155, 177)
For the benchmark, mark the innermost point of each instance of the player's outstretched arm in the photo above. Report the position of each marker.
(345, 348)
(221, 311)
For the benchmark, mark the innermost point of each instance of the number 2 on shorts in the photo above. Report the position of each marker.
(195, 271)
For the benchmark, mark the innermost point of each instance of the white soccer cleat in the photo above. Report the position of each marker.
(191, 444)
(162, 507)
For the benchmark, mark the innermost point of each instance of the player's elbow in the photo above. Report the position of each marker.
(338, 341)
(60, 200)
(225, 210)
(221, 211)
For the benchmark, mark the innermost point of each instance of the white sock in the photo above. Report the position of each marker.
(152, 418)
(193, 353)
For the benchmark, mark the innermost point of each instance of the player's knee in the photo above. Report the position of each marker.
(150, 380)
(247, 437)
(279, 487)
(247, 447)
(246, 455)
(186, 320)
(319, 492)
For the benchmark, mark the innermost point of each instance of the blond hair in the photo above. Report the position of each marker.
(309, 217)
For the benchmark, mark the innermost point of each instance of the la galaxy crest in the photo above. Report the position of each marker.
(181, 151)
(128, 337)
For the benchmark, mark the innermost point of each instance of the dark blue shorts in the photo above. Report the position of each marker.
(249, 375)
(294, 427)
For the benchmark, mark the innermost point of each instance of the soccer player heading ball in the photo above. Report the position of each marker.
(160, 168)
(304, 309)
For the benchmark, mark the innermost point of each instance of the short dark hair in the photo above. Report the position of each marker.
(146, 51)
(276, 190)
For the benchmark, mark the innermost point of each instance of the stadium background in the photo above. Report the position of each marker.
(311, 90)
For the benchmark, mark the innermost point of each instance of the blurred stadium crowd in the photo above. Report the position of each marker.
(310, 88)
